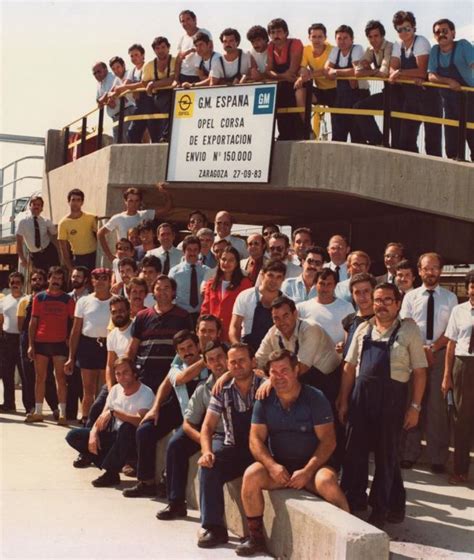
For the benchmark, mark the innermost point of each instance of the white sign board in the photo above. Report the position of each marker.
(222, 134)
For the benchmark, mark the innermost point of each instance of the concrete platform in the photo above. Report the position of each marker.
(50, 510)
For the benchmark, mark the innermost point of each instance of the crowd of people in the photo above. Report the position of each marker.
(318, 69)
(277, 359)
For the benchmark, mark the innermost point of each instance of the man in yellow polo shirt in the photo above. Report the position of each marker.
(77, 234)
(313, 60)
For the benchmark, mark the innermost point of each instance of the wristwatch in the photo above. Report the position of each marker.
(417, 407)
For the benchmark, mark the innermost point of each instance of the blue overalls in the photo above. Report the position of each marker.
(290, 127)
(346, 97)
(451, 102)
(159, 128)
(229, 80)
(230, 462)
(409, 98)
(261, 324)
(375, 420)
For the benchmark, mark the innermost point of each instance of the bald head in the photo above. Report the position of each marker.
(338, 249)
(223, 223)
(255, 245)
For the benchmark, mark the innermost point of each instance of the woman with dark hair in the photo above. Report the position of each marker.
(221, 291)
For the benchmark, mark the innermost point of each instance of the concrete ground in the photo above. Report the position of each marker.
(50, 510)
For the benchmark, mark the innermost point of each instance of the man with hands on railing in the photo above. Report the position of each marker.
(451, 62)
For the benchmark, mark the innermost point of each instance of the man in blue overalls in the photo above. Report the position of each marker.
(220, 461)
(451, 63)
(384, 352)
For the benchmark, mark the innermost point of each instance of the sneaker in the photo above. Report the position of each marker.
(251, 546)
(107, 479)
(33, 417)
(62, 421)
(140, 490)
(82, 461)
(172, 511)
(213, 537)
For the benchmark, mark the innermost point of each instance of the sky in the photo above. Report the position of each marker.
(47, 49)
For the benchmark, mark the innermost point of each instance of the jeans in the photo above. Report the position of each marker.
(230, 462)
(180, 449)
(116, 446)
(368, 128)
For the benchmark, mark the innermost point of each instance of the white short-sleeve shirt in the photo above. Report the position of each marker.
(420, 46)
(130, 404)
(328, 316)
(460, 326)
(357, 54)
(231, 68)
(95, 314)
(244, 306)
(118, 340)
(8, 307)
(191, 62)
(122, 222)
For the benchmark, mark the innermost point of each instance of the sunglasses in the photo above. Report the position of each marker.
(101, 277)
(441, 32)
(404, 29)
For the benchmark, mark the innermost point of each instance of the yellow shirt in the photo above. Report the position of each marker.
(22, 305)
(80, 232)
(317, 63)
(149, 71)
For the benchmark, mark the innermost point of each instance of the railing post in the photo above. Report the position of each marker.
(100, 128)
(308, 108)
(386, 115)
(66, 144)
(82, 147)
(462, 129)
(120, 122)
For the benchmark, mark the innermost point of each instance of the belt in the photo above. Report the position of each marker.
(11, 335)
(40, 250)
(101, 340)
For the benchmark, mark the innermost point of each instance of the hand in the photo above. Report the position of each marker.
(152, 414)
(342, 408)
(453, 84)
(111, 103)
(418, 81)
(446, 384)
(69, 367)
(429, 356)
(264, 390)
(394, 76)
(103, 420)
(31, 353)
(94, 444)
(331, 73)
(279, 474)
(298, 83)
(412, 417)
(219, 384)
(339, 347)
(161, 186)
(112, 94)
(186, 85)
(299, 479)
(149, 88)
(24, 262)
(207, 460)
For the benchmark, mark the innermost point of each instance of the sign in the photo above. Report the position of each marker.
(222, 134)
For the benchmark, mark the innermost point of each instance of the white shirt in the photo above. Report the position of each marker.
(343, 273)
(231, 68)
(95, 314)
(175, 255)
(420, 46)
(130, 404)
(328, 316)
(415, 306)
(357, 54)
(244, 306)
(460, 326)
(8, 307)
(26, 228)
(104, 87)
(260, 59)
(191, 62)
(237, 243)
(120, 81)
(123, 222)
(118, 340)
(343, 291)
(295, 289)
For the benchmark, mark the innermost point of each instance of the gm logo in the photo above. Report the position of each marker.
(264, 101)
(184, 106)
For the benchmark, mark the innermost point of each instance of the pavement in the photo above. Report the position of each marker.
(49, 510)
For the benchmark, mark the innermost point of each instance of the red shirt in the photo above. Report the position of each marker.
(55, 314)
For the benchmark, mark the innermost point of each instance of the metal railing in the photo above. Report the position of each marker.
(386, 113)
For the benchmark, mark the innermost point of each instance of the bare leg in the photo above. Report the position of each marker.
(256, 480)
(89, 383)
(58, 363)
(300, 95)
(325, 482)
(41, 370)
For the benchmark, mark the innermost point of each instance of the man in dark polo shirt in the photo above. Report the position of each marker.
(152, 349)
(292, 438)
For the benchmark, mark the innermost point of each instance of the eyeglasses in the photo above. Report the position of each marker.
(441, 32)
(314, 262)
(404, 29)
(384, 301)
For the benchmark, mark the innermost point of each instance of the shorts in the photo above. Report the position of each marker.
(51, 349)
(325, 96)
(92, 353)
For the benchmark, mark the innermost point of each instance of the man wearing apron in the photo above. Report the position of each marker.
(383, 353)
(451, 63)
(409, 62)
(220, 461)
(341, 64)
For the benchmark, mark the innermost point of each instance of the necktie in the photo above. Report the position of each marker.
(37, 232)
(193, 292)
(336, 270)
(203, 259)
(471, 340)
(166, 266)
(430, 316)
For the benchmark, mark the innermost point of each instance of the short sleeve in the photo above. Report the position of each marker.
(258, 413)
(112, 223)
(415, 347)
(422, 46)
(51, 227)
(148, 214)
(71, 307)
(36, 307)
(396, 53)
(216, 406)
(196, 409)
(240, 305)
(352, 356)
(172, 374)
(333, 55)
(433, 60)
(452, 330)
(21, 309)
(357, 53)
(147, 75)
(62, 232)
(79, 311)
(216, 68)
(321, 411)
(136, 327)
